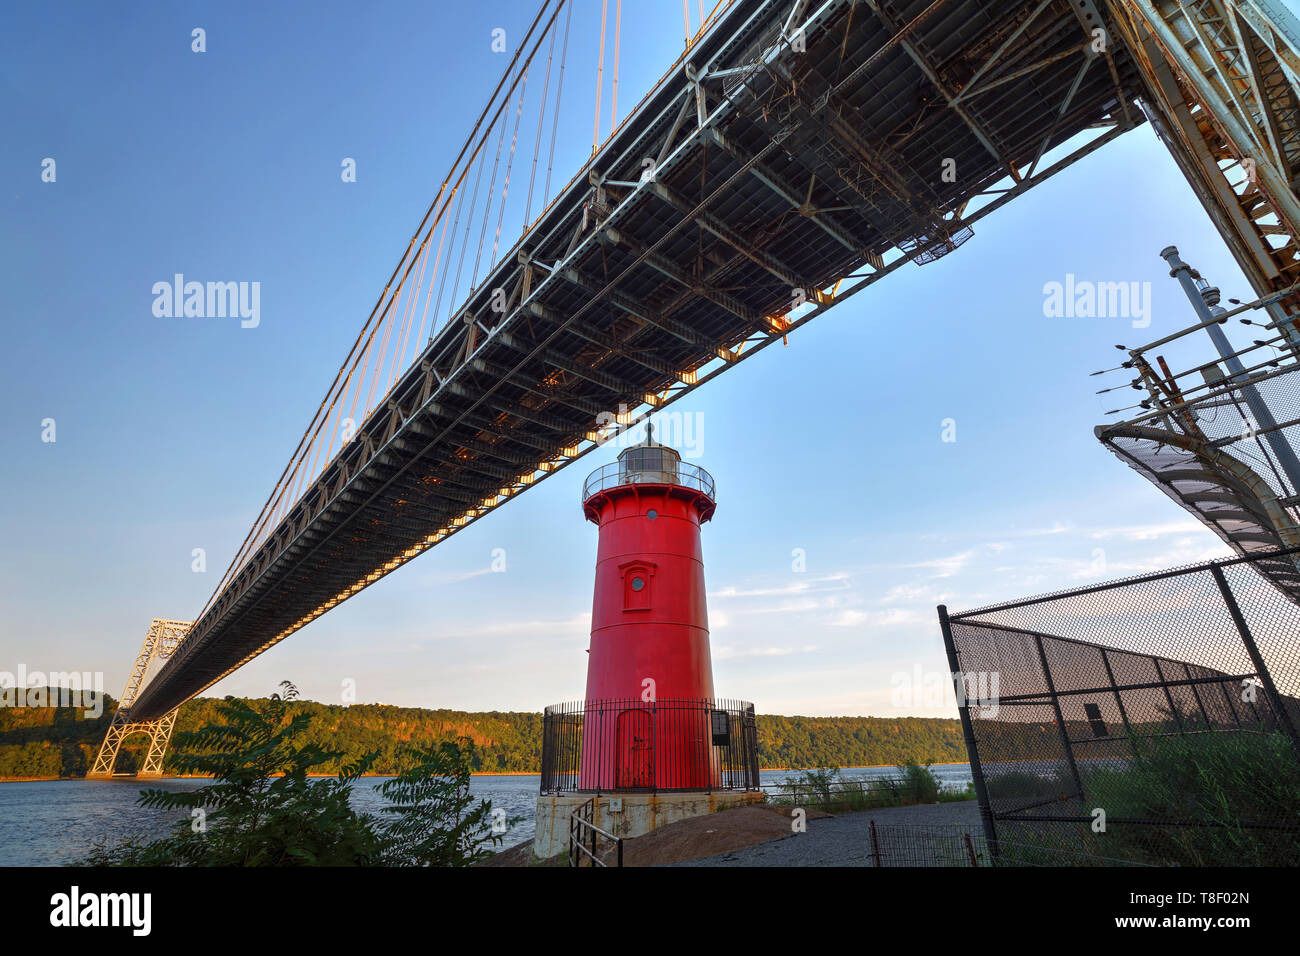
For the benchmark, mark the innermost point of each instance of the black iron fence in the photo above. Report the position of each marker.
(1150, 720)
(620, 746)
(928, 846)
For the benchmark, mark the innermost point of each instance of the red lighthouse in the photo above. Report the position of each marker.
(649, 625)
(650, 744)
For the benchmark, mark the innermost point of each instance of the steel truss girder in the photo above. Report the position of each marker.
(825, 115)
(719, 229)
(662, 322)
(779, 185)
(975, 126)
(670, 269)
(604, 341)
(1223, 84)
(861, 177)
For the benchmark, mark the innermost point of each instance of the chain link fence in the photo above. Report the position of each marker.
(909, 845)
(1147, 720)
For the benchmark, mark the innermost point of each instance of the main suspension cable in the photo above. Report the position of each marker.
(337, 388)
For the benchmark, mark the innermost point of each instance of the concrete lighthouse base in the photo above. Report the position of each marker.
(627, 814)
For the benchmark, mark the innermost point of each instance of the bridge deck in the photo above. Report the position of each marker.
(785, 171)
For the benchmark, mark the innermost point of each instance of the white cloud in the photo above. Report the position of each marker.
(945, 567)
(799, 586)
(442, 579)
(579, 623)
(1056, 528)
(1148, 532)
(892, 617)
(903, 593)
(728, 652)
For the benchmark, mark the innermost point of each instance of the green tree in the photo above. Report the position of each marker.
(433, 819)
(263, 810)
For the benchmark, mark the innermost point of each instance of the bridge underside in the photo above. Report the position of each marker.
(855, 140)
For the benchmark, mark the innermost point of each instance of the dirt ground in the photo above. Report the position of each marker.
(691, 839)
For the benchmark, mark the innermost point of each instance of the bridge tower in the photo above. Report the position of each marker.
(160, 642)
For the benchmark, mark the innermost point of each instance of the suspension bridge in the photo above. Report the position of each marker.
(795, 153)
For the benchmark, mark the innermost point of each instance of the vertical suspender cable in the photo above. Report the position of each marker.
(537, 146)
(510, 165)
(686, 22)
(379, 361)
(555, 115)
(469, 222)
(600, 75)
(363, 379)
(428, 296)
(442, 283)
(399, 343)
(404, 311)
(487, 204)
(618, 26)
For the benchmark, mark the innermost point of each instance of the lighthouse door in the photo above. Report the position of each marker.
(634, 751)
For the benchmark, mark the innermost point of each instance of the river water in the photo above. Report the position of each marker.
(57, 822)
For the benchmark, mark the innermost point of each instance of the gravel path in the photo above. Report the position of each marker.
(844, 840)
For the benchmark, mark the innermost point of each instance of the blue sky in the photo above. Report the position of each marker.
(170, 432)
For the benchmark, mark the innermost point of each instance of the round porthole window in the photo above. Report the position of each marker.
(652, 514)
(638, 583)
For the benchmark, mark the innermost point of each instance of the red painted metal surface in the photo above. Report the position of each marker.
(649, 639)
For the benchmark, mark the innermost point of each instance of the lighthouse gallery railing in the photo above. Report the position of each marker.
(643, 754)
(673, 472)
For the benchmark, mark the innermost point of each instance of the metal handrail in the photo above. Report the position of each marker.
(580, 818)
(615, 475)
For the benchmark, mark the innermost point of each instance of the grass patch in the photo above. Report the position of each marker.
(825, 789)
(1222, 781)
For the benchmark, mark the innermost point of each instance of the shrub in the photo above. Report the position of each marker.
(264, 810)
(919, 783)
